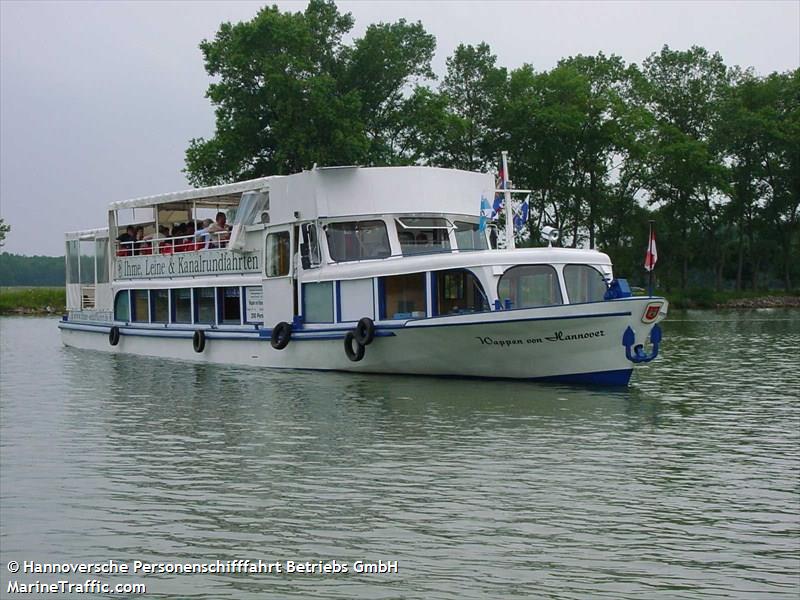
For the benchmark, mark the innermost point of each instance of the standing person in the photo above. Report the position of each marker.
(220, 229)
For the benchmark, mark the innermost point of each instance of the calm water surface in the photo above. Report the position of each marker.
(685, 485)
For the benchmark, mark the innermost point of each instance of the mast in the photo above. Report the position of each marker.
(507, 201)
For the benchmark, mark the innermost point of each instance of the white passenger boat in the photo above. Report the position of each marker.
(374, 270)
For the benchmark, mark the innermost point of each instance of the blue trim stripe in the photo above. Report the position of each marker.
(411, 324)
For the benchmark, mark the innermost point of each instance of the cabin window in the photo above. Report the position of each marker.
(459, 291)
(584, 283)
(470, 237)
(423, 235)
(404, 297)
(101, 252)
(73, 254)
(357, 240)
(530, 285)
(160, 299)
(356, 299)
(278, 253)
(122, 306)
(204, 300)
(86, 262)
(230, 305)
(318, 302)
(182, 299)
(140, 302)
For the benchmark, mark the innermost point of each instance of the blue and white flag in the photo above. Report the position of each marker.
(486, 213)
(521, 214)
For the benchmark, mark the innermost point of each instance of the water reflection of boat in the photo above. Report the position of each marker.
(375, 270)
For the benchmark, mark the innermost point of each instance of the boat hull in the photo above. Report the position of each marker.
(574, 343)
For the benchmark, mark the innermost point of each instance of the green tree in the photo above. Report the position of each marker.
(4, 229)
(289, 93)
(684, 90)
(471, 90)
(380, 68)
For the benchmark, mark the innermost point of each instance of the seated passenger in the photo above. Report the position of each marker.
(142, 246)
(126, 241)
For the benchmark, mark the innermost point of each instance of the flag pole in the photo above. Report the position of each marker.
(652, 266)
(507, 201)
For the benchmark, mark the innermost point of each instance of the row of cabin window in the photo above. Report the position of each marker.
(185, 305)
(399, 297)
(453, 292)
(365, 240)
(529, 286)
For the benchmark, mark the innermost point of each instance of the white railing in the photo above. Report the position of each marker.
(87, 297)
(172, 245)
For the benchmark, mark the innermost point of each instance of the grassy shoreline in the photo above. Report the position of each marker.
(712, 299)
(52, 300)
(32, 300)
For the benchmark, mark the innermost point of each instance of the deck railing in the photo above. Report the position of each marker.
(88, 297)
(173, 245)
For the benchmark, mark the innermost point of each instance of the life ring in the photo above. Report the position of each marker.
(199, 340)
(357, 354)
(113, 336)
(365, 331)
(281, 334)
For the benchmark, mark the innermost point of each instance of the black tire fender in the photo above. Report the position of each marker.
(357, 354)
(281, 335)
(365, 331)
(113, 336)
(199, 340)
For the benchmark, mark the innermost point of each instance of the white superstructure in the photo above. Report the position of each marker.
(363, 269)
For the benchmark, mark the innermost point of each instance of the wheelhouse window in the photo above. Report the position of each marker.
(309, 247)
(278, 253)
(404, 297)
(160, 299)
(318, 302)
(204, 300)
(457, 292)
(470, 237)
(530, 285)
(182, 299)
(423, 235)
(140, 302)
(584, 283)
(230, 305)
(357, 240)
(122, 307)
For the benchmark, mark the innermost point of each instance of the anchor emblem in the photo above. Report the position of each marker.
(636, 354)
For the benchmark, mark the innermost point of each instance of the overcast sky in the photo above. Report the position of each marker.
(98, 100)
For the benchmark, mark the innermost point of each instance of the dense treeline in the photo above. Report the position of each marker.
(708, 151)
(18, 270)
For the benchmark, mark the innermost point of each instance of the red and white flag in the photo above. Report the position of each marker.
(652, 255)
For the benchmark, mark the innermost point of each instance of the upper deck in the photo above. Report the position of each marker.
(331, 224)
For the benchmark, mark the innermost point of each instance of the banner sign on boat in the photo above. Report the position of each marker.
(254, 297)
(205, 262)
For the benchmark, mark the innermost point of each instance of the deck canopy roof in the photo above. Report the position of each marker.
(224, 195)
(87, 234)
